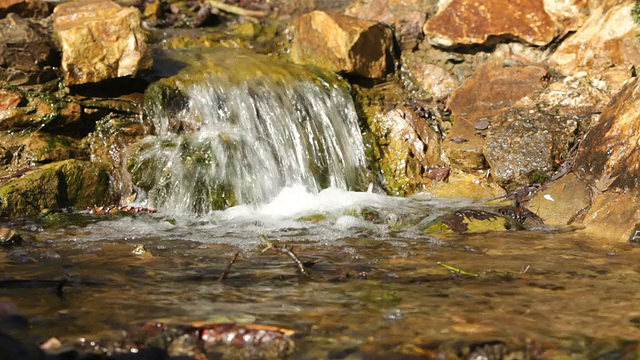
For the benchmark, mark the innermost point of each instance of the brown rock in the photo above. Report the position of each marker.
(100, 40)
(561, 201)
(607, 38)
(25, 8)
(343, 43)
(407, 16)
(9, 99)
(26, 53)
(491, 89)
(469, 22)
(613, 216)
(609, 155)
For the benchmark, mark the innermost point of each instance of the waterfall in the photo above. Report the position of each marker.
(241, 135)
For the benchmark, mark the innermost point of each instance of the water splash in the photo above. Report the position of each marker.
(242, 140)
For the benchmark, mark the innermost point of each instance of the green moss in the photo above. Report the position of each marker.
(313, 218)
(70, 183)
(635, 12)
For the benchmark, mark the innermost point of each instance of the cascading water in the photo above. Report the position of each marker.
(240, 131)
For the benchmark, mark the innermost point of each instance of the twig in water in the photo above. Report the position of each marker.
(287, 251)
(225, 273)
(456, 270)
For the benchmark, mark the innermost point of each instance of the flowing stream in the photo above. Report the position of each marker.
(284, 148)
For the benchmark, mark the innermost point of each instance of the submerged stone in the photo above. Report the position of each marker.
(70, 183)
(471, 220)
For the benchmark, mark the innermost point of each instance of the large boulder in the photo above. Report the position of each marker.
(70, 183)
(607, 38)
(27, 55)
(344, 44)
(470, 22)
(474, 104)
(100, 40)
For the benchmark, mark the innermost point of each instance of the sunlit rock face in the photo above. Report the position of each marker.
(609, 155)
(477, 101)
(344, 44)
(608, 38)
(472, 22)
(100, 40)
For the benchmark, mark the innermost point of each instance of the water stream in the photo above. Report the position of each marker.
(285, 149)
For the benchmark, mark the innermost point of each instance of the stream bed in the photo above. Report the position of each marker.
(376, 287)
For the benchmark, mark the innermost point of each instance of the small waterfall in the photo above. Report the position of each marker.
(229, 138)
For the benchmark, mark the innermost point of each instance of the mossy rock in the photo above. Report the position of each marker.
(64, 184)
(471, 221)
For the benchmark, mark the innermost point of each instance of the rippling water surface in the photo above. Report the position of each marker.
(378, 285)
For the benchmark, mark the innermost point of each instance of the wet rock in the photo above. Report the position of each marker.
(524, 147)
(407, 17)
(561, 202)
(25, 8)
(70, 183)
(471, 220)
(8, 237)
(469, 22)
(408, 147)
(464, 185)
(613, 216)
(491, 89)
(343, 43)
(609, 155)
(27, 54)
(9, 99)
(100, 40)
(607, 38)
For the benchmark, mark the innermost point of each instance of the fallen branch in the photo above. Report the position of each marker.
(287, 251)
(231, 9)
(226, 270)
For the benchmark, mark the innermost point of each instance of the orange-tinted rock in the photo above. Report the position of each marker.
(491, 89)
(100, 40)
(407, 16)
(343, 43)
(470, 22)
(608, 38)
(609, 155)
